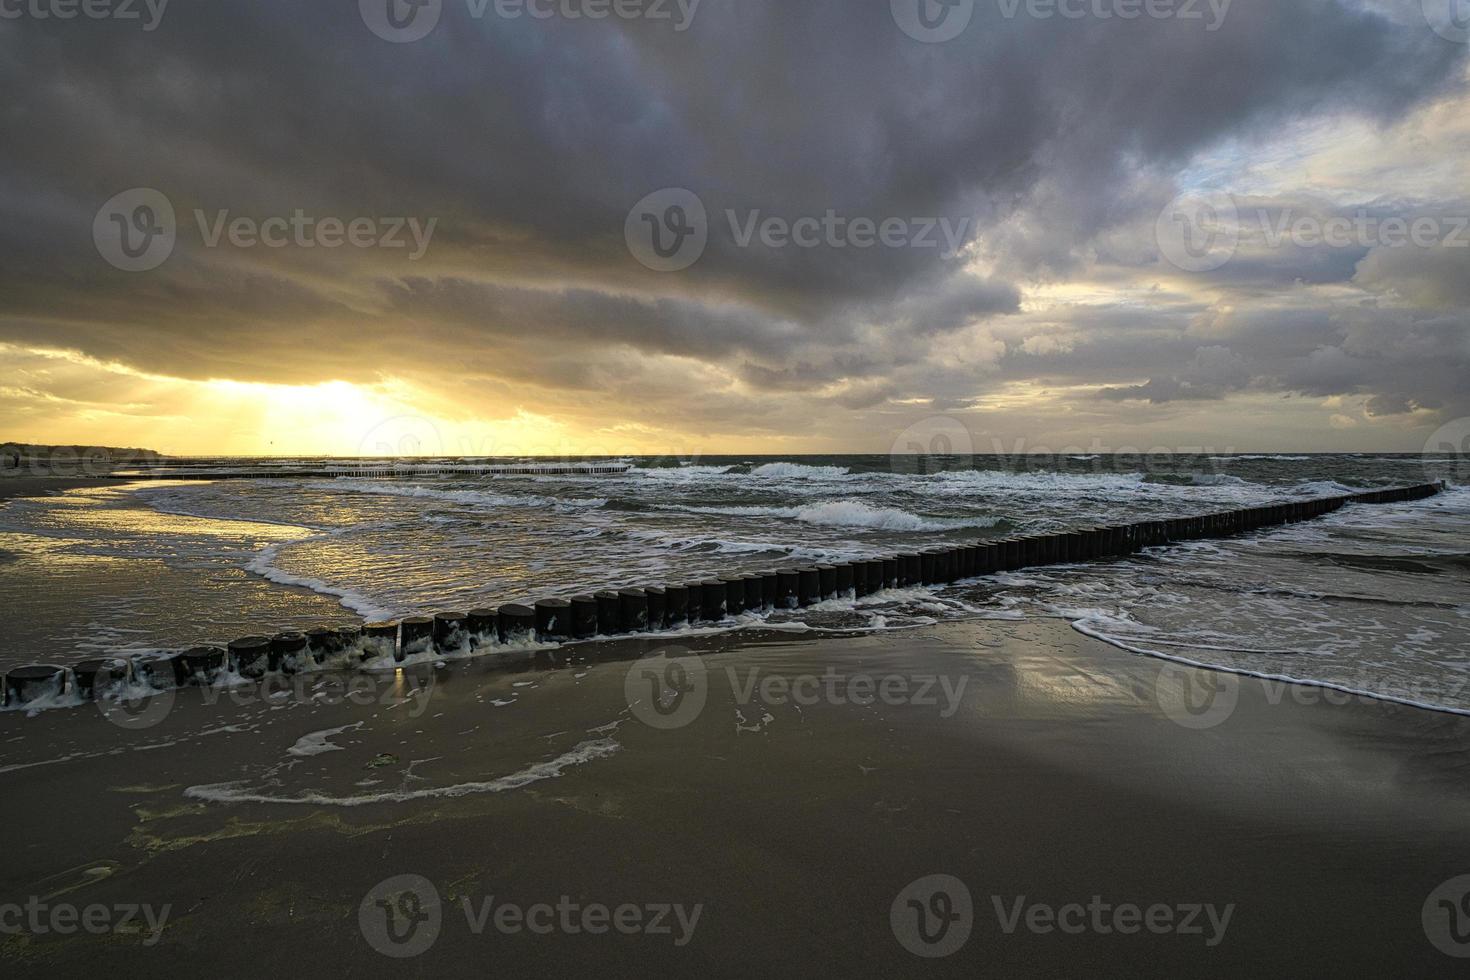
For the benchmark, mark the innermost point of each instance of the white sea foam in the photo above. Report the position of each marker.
(726, 546)
(855, 513)
(584, 752)
(175, 502)
(473, 498)
(1217, 480)
(680, 473)
(262, 564)
(317, 743)
(455, 544)
(1086, 628)
(846, 513)
(1322, 488)
(799, 471)
(963, 482)
(1255, 456)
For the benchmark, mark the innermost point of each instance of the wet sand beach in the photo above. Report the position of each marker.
(778, 813)
(12, 487)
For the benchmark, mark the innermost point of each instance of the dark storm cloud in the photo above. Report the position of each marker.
(1214, 372)
(528, 141)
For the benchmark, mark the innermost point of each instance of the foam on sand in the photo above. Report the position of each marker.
(583, 753)
(318, 743)
(1086, 628)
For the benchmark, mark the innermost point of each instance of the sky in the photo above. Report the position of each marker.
(484, 227)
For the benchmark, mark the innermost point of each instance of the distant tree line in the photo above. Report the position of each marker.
(42, 460)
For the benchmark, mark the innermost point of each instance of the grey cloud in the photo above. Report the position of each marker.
(529, 141)
(1434, 277)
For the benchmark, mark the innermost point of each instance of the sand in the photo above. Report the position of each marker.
(39, 486)
(1035, 765)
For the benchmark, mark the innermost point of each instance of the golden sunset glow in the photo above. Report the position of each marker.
(218, 417)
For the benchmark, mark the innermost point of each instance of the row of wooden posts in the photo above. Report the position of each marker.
(645, 609)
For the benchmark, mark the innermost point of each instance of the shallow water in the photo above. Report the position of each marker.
(1372, 598)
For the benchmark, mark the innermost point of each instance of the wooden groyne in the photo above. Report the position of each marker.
(652, 608)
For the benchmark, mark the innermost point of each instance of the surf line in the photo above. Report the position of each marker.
(656, 608)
